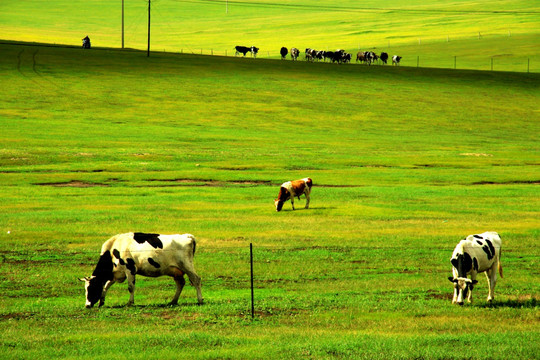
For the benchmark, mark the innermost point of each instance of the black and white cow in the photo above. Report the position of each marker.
(244, 50)
(396, 60)
(283, 52)
(309, 54)
(476, 254)
(294, 53)
(125, 255)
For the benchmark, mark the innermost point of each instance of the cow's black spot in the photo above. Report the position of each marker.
(131, 266)
(116, 254)
(475, 264)
(478, 236)
(463, 264)
(152, 239)
(487, 251)
(491, 248)
(104, 267)
(479, 242)
(153, 263)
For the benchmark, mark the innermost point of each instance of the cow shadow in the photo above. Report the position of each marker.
(156, 306)
(311, 208)
(515, 304)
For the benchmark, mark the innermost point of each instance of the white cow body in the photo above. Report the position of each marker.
(476, 254)
(125, 255)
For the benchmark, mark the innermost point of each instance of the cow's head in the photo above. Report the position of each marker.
(278, 204)
(94, 289)
(462, 286)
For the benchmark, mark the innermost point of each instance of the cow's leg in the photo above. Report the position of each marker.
(292, 201)
(131, 288)
(195, 281)
(307, 199)
(454, 299)
(105, 288)
(491, 276)
(473, 278)
(180, 282)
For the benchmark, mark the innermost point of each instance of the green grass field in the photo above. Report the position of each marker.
(405, 161)
(467, 34)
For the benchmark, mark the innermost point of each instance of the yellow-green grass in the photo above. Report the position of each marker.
(405, 162)
(475, 32)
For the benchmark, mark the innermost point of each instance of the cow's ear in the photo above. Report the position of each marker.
(452, 279)
(475, 282)
(83, 279)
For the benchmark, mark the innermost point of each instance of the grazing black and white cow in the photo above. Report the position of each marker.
(244, 50)
(309, 54)
(384, 57)
(396, 59)
(290, 189)
(283, 52)
(477, 253)
(295, 53)
(125, 255)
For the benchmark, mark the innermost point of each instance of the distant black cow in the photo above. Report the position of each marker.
(294, 53)
(384, 57)
(283, 52)
(244, 50)
(328, 55)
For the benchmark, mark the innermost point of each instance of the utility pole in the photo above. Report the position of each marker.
(148, 52)
(122, 24)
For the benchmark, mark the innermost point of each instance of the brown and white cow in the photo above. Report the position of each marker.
(477, 253)
(290, 189)
(125, 255)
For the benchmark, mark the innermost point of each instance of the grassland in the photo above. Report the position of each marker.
(428, 33)
(405, 162)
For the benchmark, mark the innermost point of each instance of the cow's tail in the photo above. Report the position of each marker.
(500, 265)
(193, 242)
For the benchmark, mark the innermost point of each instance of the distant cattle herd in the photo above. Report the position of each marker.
(339, 56)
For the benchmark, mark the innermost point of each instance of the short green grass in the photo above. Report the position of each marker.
(405, 162)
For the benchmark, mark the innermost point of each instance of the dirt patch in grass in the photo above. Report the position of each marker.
(511, 182)
(432, 294)
(226, 183)
(209, 182)
(16, 316)
(72, 183)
